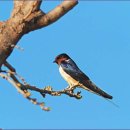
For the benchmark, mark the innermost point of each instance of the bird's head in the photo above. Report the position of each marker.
(60, 58)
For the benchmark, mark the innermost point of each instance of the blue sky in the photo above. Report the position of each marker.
(97, 36)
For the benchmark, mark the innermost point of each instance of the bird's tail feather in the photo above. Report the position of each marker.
(100, 92)
(112, 103)
(103, 94)
(94, 89)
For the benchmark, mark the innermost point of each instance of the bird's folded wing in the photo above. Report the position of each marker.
(84, 80)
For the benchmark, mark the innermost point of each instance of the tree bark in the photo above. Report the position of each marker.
(26, 17)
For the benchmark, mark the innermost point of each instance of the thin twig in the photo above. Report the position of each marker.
(23, 88)
(49, 90)
(25, 94)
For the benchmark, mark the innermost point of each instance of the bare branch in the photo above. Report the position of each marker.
(49, 90)
(26, 17)
(10, 67)
(25, 7)
(46, 19)
(23, 88)
(15, 84)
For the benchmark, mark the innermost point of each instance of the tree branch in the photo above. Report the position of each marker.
(49, 90)
(26, 17)
(46, 19)
(23, 88)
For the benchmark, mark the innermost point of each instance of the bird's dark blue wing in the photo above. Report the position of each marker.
(72, 69)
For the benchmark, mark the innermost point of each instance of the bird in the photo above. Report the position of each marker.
(75, 77)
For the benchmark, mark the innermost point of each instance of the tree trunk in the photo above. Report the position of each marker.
(26, 17)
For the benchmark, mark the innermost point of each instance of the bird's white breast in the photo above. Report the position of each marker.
(68, 78)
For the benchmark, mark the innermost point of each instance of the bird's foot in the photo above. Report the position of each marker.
(68, 88)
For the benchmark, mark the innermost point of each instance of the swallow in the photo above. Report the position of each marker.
(75, 77)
